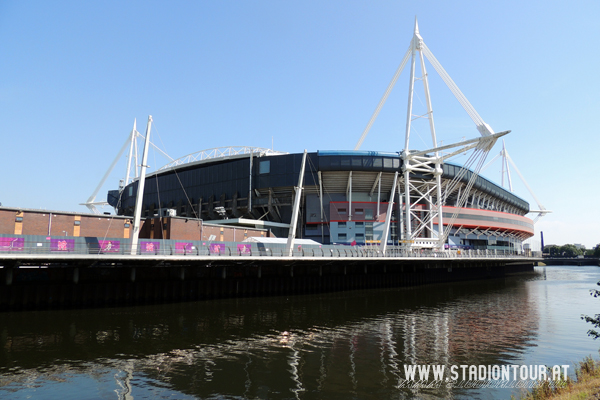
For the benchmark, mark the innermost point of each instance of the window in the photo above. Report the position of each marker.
(359, 224)
(342, 211)
(369, 214)
(311, 227)
(369, 231)
(264, 167)
(77, 223)
(360, 237)
(359, 211)
(341, 225)
(341, 236)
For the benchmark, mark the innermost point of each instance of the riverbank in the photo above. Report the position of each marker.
(586, 387)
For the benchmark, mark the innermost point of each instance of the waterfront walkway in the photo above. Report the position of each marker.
(240, 253)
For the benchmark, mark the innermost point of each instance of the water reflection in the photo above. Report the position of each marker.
(340, 345)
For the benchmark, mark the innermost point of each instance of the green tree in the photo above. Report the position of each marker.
(569, 250)
(595, 320)
(553, 250)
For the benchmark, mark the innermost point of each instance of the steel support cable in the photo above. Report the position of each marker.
(326, 192)
(384, 98)
(525, 182)
(112, 218)
(458, 178)
(158, 196)
(155, 146)
(106, 175)
(482, 156)
(189, 202)
(453, 87)
(456, 181)
(462, 172)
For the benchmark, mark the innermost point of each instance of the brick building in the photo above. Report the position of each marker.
(19, 221)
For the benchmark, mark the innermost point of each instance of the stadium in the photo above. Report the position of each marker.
(345, 198)
(413, 198)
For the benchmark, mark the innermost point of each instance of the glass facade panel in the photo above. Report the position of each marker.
(264, 167)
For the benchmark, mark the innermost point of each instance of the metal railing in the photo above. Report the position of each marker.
(220, 249)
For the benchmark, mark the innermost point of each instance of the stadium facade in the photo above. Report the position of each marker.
(345, 198)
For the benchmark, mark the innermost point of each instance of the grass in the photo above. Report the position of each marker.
(587, 385)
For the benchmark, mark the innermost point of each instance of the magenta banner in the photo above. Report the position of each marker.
(217, 248)
(62, 244)
(244, 249)
(150, 247)
(110, 246)
(12, 244)
(183, 248)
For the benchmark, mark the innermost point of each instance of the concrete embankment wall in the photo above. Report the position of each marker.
(79, 287)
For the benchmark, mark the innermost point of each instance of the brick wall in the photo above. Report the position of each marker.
(71, 224)
(35, 223)
(193, 229)
(7, 222)
(62, 224)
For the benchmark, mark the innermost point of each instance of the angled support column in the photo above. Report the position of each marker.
(388, 216)
(289, 250)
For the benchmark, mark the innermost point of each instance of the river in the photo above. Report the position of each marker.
(345, 345)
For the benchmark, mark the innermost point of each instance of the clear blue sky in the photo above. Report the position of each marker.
(305, 74)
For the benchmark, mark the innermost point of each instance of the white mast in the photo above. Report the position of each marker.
(388, 216)
(131, 145)
(140, 191)
(292, 234)
(421, 163)
(423, 198)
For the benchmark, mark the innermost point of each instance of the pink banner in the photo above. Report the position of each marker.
(62, 244)
(217, 248)
(109, 246)
(183, 248)
(244, 249)
(150, 247)
(12, 244)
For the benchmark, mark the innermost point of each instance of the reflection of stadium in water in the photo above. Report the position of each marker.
(335, 344)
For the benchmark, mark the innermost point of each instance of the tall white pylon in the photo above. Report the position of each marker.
(423, 198)
(423, 191)
(131, 141)
(483, 128)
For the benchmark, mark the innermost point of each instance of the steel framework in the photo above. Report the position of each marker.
(506, 159)
(132, 142)
(418, 220)
(220, 152)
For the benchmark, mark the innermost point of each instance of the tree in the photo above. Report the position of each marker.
(569, 250)
(595, 320)
(553, 250)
